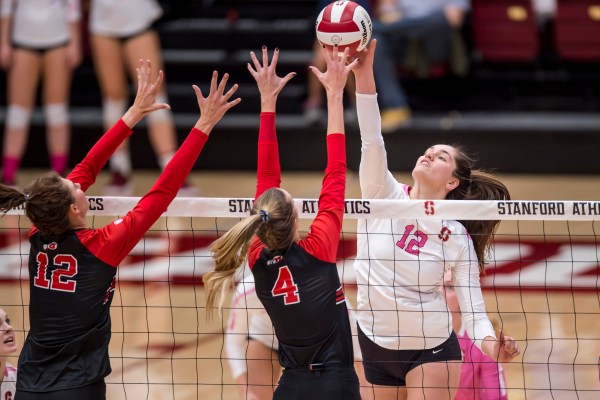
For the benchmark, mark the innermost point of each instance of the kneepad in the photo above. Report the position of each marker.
(56, 114)
(17, 116)
(112, 111)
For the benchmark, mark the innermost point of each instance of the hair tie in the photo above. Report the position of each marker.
(26, 196)
(265, 216)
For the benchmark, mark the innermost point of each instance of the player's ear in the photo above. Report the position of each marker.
(73, 209)
(452, 184)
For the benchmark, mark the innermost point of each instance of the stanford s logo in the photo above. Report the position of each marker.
(429, 209)
(444, 234)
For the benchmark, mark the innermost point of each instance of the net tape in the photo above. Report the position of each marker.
(367, 208)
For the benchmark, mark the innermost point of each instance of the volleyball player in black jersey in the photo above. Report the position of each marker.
(296, 279)
(72, 268)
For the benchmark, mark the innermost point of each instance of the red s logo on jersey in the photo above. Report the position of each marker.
(429, 209)
(444, 234)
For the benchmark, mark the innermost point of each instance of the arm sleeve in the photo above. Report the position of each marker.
(86, 171)
(236, 337)
(324, 234)
(73, 10)
(268, 172)
(465, 277)
(492, 383)
(376, 181)
(117, 239)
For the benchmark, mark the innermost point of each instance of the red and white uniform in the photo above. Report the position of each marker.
(481, 377)
(9, 383)
(122, 18)
(400, 263)
(40, 24)
(72, 276)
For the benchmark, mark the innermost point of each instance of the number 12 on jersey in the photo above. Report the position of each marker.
(286, 287)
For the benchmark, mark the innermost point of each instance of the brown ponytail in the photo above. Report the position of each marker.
(477, 185)
(47, 200)
(271, 219)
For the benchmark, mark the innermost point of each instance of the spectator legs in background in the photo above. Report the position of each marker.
(431, 35)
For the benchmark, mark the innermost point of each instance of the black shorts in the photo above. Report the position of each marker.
(95, 391)
(334, 382)
(389, 367)
(40, 50)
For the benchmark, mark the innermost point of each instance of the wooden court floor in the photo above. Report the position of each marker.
(164, 347)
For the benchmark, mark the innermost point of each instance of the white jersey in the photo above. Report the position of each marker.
(400, 263)
(123, 18)
(9, 383)
(41, 24)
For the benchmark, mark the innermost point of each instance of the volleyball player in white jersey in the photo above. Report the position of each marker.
(252, 346)
(121, 33)
(39, 39)
(8, 346)
(405, 328)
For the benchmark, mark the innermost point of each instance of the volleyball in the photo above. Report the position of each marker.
(346, 24)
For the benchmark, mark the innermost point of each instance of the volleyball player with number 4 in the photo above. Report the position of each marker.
(296, 279)
(405, 328)
(72, 268)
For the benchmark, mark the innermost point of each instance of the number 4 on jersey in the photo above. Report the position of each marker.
(285, 286)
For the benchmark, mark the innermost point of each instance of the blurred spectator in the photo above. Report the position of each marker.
(313, 106)
(8, 346)
(481, 377)
(121, 33)
(401, 24)
(39, 39)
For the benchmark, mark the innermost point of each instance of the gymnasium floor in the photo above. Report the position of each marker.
(163, 346)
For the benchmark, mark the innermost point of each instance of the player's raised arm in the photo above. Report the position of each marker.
(268, 173)
(144, 103)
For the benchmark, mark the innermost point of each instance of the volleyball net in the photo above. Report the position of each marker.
(541, 286)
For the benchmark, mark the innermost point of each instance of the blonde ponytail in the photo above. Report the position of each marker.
(272, 220)
(229, 253)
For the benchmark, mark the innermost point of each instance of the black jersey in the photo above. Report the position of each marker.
(66, 348)
(72, 277)
(305, 301)
(301, 289)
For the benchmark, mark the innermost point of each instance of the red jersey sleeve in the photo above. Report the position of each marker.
(324, 233)
(268, 172)
(112, 243)
(86, 171)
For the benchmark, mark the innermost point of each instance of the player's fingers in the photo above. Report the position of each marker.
(233, 103)
(344, 58)
(275, 57)
(198, 92)
(353, 63)
(213, 82)
(251, 70)
(231, 91)
(257, 65)
(289, 76)
(159, 79)
(265, 57)
(223, 83)
(315, 71)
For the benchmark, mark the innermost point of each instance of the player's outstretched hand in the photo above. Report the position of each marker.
(145, 98)
(216, 104)
(365, 60)
(269, 84)
(338, 68)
